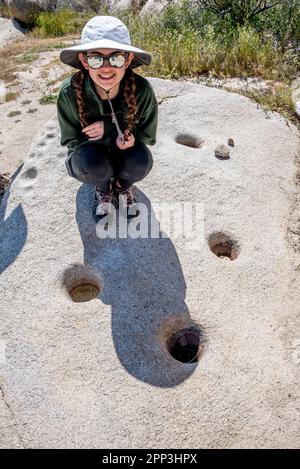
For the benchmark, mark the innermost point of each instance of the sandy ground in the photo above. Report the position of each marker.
(18, 131)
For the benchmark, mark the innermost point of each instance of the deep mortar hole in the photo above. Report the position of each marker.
(185, 345)
(189, 140)
(223, 246)
(81, 282)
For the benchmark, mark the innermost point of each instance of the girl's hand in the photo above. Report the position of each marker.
(127, 144)
(95, 131)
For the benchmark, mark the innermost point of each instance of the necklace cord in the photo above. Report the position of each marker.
(114, 117)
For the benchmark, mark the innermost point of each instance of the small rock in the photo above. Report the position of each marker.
(222, 151)
(231, 142)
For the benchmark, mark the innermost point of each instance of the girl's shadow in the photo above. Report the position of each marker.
(143, 282)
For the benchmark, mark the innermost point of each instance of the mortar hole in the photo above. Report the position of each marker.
(223, 246)
(81, 283)
(84, 290)
(185, 345)
(189, 140)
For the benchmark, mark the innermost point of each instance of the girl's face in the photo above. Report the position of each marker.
(106, 77)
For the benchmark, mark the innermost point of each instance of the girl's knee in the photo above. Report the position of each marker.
(137, 164)
(141, 160)
(92, 161)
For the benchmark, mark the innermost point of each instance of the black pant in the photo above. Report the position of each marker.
(95, 164)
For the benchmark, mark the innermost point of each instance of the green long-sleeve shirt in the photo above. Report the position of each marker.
(99, 109)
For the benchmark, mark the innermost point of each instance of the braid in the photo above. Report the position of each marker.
(129, 95)
(77, 83)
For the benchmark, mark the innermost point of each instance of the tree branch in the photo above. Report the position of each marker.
(265, 7)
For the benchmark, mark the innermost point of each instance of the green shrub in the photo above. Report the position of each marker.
(4, 10)
(57, 23)
(282, 22)
(48, 99)
(190, 41)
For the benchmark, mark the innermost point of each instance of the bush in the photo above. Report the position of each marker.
(4, 10)
(283, 22)
(189, 40)
(48, 99)
(281, 18)
(57, 23)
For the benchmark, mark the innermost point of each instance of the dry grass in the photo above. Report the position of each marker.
(29, 44)
(13, 56)
(26, 58)
(7, 74)
(55, 62)
(11, 96)
(279, 99)
(60, 79)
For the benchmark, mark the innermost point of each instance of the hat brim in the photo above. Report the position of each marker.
(69, 55)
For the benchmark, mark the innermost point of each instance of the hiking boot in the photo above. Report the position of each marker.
(128, 199)
(103, 203)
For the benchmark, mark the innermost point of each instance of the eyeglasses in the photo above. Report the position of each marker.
(116, 60)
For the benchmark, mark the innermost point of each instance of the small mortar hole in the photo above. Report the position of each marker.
(30, 173)
(189, 140)
(84, 290)
(223, 246)
(81, 283)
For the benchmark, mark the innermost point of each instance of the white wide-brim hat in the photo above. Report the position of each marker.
(104, 32)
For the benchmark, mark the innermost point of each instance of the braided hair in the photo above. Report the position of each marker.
(128, 94)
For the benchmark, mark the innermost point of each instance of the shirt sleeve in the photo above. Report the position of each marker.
(70, 128)
(146, 127)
